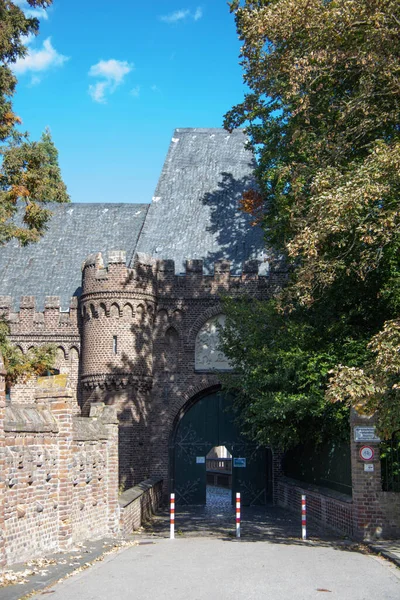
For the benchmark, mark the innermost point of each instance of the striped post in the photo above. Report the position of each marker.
(303, 518)
(238, 514)
(172, 518)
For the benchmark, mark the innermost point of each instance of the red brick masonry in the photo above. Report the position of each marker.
(59, 477)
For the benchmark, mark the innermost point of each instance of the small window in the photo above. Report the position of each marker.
(51, 372)
(115, 344)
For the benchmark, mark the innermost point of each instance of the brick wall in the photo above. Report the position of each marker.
(139, 504)
(139, 328)
(376, 513)
(29, 328)
(369, 514)
(59, 479)
(324, 506)
(3, 558)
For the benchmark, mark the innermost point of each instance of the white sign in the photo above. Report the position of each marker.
(369, 467)
(365, 434)
(200, 460)
(367, 453)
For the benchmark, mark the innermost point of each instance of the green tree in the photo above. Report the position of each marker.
(29, 174)
(18, 366)
(322, 117)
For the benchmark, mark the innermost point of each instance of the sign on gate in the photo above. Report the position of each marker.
(365, 434)
(239, 462)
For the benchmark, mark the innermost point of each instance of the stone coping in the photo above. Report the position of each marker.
(316, 489)
(21, 418)
(138, 490)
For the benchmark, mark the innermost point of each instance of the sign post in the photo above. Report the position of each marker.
(238, 514)
(303, 518)
(172, 518)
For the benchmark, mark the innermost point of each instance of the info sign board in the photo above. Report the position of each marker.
(365, 434)
(239, 462)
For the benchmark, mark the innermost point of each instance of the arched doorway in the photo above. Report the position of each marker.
(207, 423)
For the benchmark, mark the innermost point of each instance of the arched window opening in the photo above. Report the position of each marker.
(208, 354)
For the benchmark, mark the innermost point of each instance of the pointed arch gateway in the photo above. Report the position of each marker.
(204, 423)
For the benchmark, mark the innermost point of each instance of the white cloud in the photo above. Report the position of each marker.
(39, 13)
(198, 14)
(40, 59)
(98, 91)
(35, 80)
(178, 15)
(135, 92)
(112, 70)
(27, 39)
(112, 73)
(182, 15)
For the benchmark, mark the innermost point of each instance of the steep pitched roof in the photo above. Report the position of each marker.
(52, 267)
(194, 212)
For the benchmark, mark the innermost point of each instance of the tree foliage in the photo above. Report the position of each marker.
(29, 175)
(37, 361)
(322, 116)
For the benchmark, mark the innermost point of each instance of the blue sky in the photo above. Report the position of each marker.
(113, 79)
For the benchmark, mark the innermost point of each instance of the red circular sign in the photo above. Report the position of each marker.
(366, 453)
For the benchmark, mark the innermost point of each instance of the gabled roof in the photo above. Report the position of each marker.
(195, 212)
(52, 266)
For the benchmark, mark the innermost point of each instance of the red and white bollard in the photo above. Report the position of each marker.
(303, 518)
(172, 518)
(238, 514)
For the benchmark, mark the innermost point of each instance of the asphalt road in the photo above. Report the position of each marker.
(199, 568)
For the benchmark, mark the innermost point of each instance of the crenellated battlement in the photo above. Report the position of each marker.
(50, 321)
(156, 277)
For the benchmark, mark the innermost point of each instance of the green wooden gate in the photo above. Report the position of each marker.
(208, 423)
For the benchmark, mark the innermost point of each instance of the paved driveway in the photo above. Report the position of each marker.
(206, 568)
(206, 562)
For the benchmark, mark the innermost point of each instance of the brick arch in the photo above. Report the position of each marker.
(102, 310)
(162, 315)
(61, 352)
(115, 310)
(73, 351)
(211, 312)
(127, 310)
(140, 313)
(163, 326)
(183, 401)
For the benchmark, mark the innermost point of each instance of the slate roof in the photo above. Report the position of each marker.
(52, 267)
(194, 212)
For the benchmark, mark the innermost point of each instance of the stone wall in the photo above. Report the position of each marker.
(58, 475)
